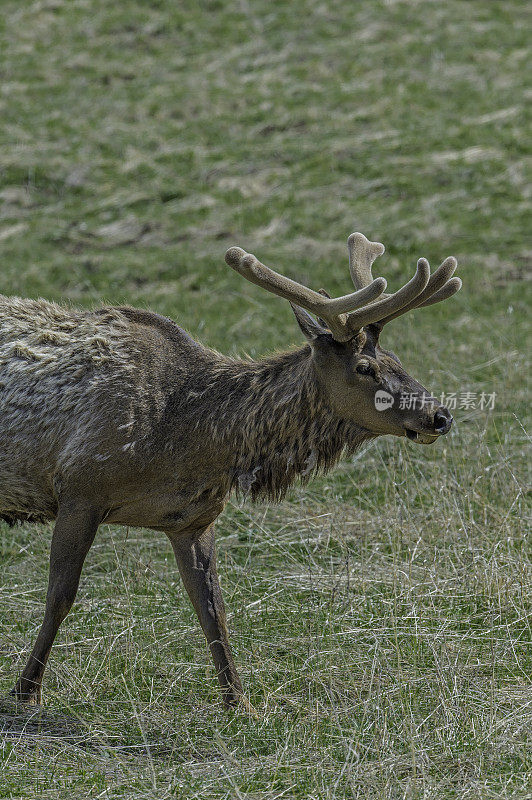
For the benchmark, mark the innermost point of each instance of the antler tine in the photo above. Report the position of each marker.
(332, 310)
(450, 288)
(362, 254)
(435, 290)
(394, 302)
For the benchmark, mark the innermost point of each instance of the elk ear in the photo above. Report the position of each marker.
(310, 328)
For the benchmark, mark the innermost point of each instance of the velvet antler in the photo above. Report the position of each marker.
(346, 315)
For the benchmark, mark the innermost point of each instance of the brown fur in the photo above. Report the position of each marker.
(273, 419)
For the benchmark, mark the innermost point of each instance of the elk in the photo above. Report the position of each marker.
(117, 415)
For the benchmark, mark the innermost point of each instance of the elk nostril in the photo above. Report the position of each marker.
(442, 421)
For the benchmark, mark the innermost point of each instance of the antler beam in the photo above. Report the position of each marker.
(332, 310)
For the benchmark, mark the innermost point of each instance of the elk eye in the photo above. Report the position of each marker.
(363, 368)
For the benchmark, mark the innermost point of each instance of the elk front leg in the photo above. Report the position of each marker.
(73, 535)
(196, 558)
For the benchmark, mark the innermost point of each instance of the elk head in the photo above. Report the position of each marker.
(363, 382)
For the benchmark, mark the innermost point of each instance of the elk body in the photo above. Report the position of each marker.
(118, 416)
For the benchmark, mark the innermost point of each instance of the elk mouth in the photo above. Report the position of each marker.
(420, 438)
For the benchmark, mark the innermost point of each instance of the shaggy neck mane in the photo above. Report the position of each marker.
(274, 419)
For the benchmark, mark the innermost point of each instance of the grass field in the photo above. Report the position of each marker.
(381, 617)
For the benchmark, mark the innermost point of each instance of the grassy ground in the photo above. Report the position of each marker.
(381, 616)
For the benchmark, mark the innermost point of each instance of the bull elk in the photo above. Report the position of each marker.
(117, 415)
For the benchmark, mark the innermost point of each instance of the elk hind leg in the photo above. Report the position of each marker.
(74, 532)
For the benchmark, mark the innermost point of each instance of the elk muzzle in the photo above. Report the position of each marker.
(435, 424)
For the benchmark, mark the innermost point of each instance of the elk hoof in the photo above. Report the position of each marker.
(31, 698)
(240, 703)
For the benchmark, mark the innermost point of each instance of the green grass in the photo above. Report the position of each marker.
(381, 617)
